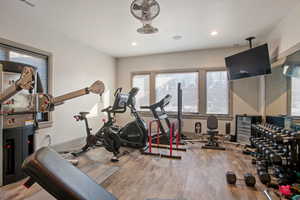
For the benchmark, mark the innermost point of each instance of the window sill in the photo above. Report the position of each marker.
(190, 116)
(46, 124)
(296, 119)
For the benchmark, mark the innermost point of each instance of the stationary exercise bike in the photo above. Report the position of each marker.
(134, 134)
(91, 140)
(94, 140)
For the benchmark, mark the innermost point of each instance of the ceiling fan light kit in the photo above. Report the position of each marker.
(147, 29)
(145, 11)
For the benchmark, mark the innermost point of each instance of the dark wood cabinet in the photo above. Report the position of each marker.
(18, 144)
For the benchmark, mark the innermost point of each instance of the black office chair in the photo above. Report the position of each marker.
(212, 132)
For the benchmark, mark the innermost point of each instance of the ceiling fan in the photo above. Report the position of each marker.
(145, 11)
(27, 2)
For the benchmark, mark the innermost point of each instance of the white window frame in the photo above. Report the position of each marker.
(201, 114)
(142, 74)
(178, 72)
(289, 105)
(229, 93)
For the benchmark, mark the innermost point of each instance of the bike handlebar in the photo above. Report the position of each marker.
(77, 117)
(119, 90)
(106, 109)
(161, 104)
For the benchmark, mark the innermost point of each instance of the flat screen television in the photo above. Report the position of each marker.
(253, 62)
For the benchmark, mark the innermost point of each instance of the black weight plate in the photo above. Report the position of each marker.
(231, 177)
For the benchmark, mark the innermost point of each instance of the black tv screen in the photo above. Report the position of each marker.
(253, 62)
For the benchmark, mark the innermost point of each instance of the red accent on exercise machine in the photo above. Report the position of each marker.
(173, 129)
(7, 146)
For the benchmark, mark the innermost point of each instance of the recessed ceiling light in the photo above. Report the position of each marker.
(133, 44)
(214, 33)
(177, 37)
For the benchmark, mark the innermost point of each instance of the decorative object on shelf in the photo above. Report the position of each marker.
(145, 11)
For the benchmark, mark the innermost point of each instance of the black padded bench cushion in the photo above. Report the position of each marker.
(62, 179)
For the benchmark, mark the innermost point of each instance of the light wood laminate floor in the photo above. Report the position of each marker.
(199, 175)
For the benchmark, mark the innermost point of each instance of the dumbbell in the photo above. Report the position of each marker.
(275, 146)
(262, 161)
(283, 179)
(260, 147)
(270, 134)
(249, 179)
(253, 141)
(295, 134)
(275, 159)
(260, 169)
(278, 172)
(264, 177)
(266, 151)
(284, 151)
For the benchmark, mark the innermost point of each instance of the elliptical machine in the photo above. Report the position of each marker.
(133, 134)
(159, 115)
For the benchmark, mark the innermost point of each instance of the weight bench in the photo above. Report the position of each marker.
(212, 132)
(60, 178)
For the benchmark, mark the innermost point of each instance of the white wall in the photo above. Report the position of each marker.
(247, 93)
(284, 36)
(75, 66)
(245, 97)
(286, 33)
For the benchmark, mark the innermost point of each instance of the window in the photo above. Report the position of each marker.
(37, 60)
(204, 91)
(143, 83)
(2, 54)
(217, 94)
(295, 97)
(166, 83)
(40, 62)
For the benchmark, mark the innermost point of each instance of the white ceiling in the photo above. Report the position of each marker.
(107, 25)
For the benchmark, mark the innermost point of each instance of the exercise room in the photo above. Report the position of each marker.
(149, 100)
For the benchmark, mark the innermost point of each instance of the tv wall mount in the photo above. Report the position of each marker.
(250, 39)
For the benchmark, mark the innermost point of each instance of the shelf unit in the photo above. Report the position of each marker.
(243, 127)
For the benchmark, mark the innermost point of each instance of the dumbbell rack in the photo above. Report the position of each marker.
(277, 149)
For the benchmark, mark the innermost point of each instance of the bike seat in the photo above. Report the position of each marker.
(84, 114)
